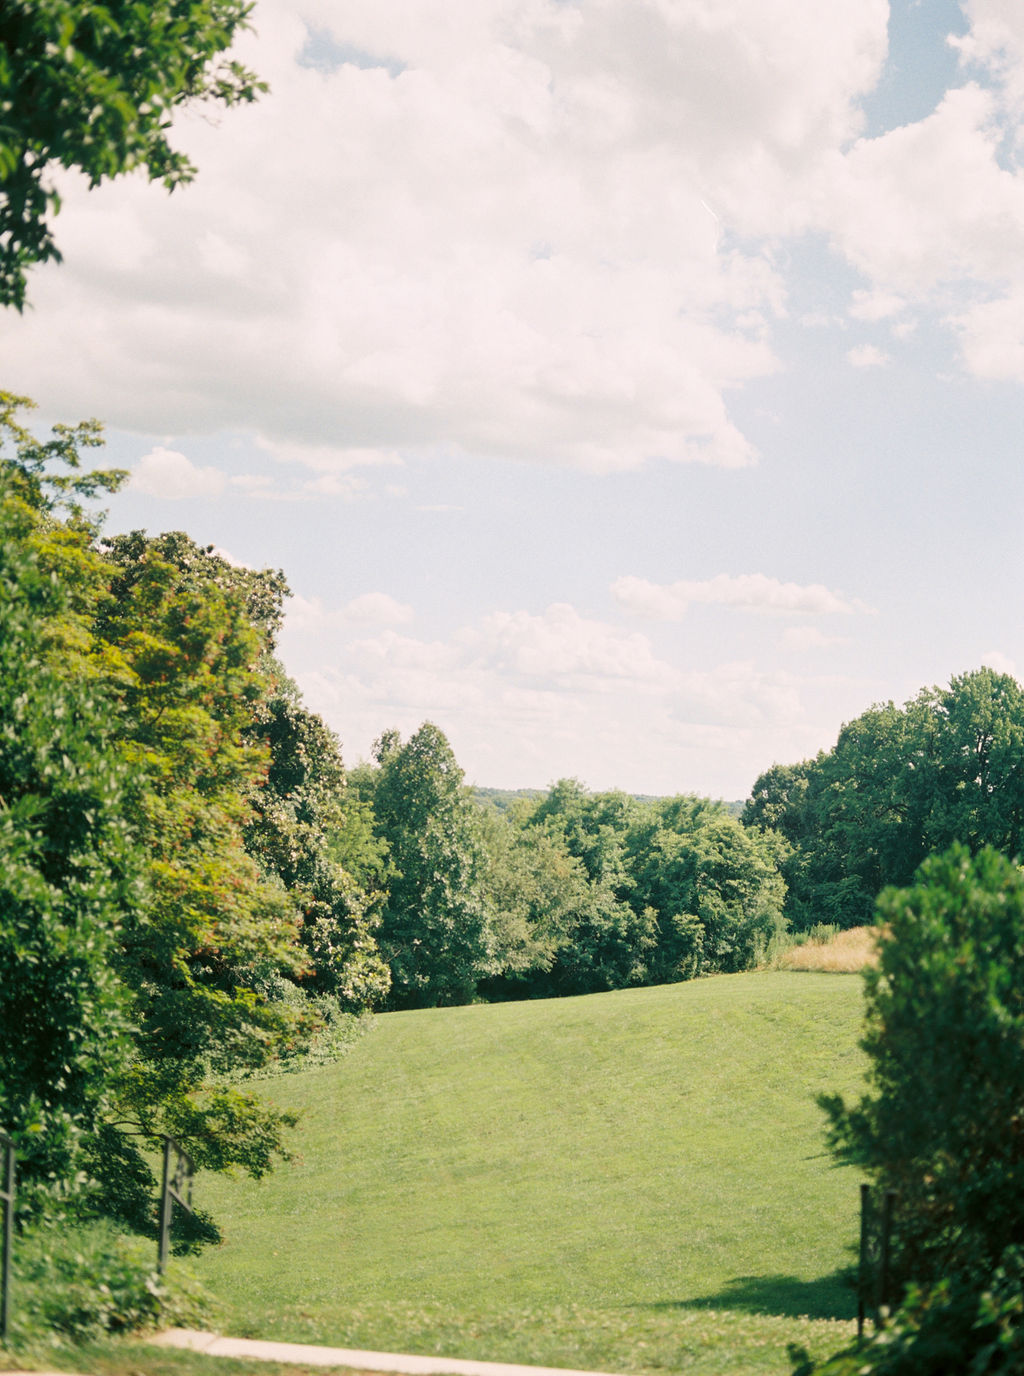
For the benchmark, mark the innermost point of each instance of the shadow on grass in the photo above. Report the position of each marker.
(830, 1297)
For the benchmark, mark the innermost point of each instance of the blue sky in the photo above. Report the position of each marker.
(632, 387)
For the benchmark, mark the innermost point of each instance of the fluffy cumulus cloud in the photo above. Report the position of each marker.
(309, 616)
(170, 475)
(528, 697)
(752, 592)
(498, 225)
(166, 473)
(810, 638)
(933, 212)
(867, 356)
(561, 647)
(995, 40)
(528, 228)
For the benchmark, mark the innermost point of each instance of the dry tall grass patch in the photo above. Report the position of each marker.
(844, 953)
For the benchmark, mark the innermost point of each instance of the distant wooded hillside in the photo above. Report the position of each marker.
(504, 798)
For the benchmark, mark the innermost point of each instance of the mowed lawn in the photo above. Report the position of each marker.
(634, 1181)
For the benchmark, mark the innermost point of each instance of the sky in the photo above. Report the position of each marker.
(633, 388)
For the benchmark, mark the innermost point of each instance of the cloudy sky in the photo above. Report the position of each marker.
(631, 387)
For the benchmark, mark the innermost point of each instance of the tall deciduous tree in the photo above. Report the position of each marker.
(899, 784)
(300, 822)
(67, 867)
(182, 655)
(94, 87)
(714, 886)
(673, 888)
(435, 932)
(605, 940)
(137, 707)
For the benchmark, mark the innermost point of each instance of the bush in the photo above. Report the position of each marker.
(943, 1121)
(946, 1328)
(88, 1281)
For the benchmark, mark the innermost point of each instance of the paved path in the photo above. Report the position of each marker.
(308, 1355)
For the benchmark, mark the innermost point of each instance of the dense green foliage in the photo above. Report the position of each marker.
(94, 87)
(304, 825)
(66, 869)
(899, 784)
(75, 1284)
(434, 929)
(941, 1122)
(166, 892)
(566, 892)
(613, 892)
(942, 1329)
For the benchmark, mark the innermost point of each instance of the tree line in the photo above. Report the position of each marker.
(900, 784)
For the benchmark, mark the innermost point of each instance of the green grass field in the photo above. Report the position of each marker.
(630, 1182)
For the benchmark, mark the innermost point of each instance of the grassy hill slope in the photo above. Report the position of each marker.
(620, 1182)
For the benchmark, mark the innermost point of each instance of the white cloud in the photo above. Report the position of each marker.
(166, 473)
(929, 204)
(169, 474)
(753, 592)
(995, 40)
(309, 617)
(875, 305)
(229, 558)
(560, 645)
(932, 213)
(991, 337)
(528, 697)
(554, 234)
(518, 246)
(1001, 663)
(328, 459)
(333, 485)
(867, 356)
(810, 638)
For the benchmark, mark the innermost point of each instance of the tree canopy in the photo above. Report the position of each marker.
(67, 874)
(616, 891)
(940, 1123)
(434, 931)
(94, 87)
(167, 895)
(899, 784)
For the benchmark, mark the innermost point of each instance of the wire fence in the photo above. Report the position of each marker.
(176, 1188)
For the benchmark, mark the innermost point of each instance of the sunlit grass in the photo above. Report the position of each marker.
(840, 953)
(626, 1182)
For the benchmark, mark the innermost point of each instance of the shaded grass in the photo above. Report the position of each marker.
(625, 1182)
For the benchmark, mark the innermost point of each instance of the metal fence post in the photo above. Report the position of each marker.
(165, 1210)
(176, 1189)
(7, 1199)
(862, 1267)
